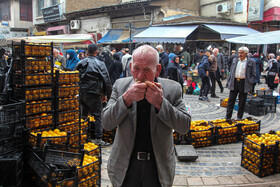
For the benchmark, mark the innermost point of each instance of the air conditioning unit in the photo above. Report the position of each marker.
(75, 24)
(222, 8)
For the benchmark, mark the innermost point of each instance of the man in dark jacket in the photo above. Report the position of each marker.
(220, 70)
(163, 55)
(205, 86)
(94, 83)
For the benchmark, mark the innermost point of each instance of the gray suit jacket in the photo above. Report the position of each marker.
(249, 76)
(172, 115)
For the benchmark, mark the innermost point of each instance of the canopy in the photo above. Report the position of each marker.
(119, 35)
(258, 39)
(3, 41)
(229, 31)
(65, 38)
(166, 34)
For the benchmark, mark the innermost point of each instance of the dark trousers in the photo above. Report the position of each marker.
(218, 79)
(213, 82)
(238, 89)
(141, 173)
(205, 86)
(92, 105)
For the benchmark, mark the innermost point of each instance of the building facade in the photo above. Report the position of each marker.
(15, 17)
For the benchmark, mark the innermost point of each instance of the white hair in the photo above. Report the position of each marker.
(271, 55)
(56, 50)
(143, 51)
(159, 47)
(245, 49)
(215, 49)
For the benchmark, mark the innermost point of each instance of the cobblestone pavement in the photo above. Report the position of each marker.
(216, 165)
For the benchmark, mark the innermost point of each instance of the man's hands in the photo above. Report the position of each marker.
(140, 90)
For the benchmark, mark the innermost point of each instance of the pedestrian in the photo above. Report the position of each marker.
(59, 61)
(72, 59)
(125, 59)
(186, 58)
(116, 69)
(233, 56)
(81, 55)
(272, 71)
(258, 71)
(241, 81)
(113, 50)
(163, 55)
(212, 72)
(203, 71)
(94, 83)
(174, 71)
(121, 53)
(107, 58)
(220, 69)
(145, 109)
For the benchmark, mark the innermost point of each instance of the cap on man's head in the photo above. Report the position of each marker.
(92, 47)
(207, 50)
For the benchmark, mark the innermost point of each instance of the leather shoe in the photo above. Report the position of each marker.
(214, 96)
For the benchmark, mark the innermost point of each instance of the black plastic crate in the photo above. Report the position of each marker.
(224, 103)
(256, 101)
(73, 126)
(48, 173)
(4, 98)
(38, 107)
(89, 167)
(93, 180)
(63, 158)
(11, 145)
(260, 148)
(249, 125)
(40, 121)
(260, 172)
(32, 65)
(257, 110)
(21, 80)
(11, 169)
(68, 104)
(262, 93)
(260, 160)
(31, 50)
(12, 112)
(70, 77)
(92, 149)
(67, 116)
(271, 102)
(68, 90)
(12, 129)
(108, 136)
(176, 137)
(29, 94)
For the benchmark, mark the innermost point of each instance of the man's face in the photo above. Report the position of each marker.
(113, 51)
(207, 53)
(143, 68)
(158, 49)
(278, 58)
(55, 53)
(242, 55)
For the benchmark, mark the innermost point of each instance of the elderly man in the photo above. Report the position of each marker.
(163, 55)
(241, 81)
(59, 60)
(212, 71)
(145, 109)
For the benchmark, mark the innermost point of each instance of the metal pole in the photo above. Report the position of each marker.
(130, 32)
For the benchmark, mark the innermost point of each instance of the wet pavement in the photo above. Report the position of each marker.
(217, 165)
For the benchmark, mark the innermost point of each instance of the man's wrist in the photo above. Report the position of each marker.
(126, 100)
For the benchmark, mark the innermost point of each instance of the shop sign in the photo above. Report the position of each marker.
(255, 12)
(52, 13)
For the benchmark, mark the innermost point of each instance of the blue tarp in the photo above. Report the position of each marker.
(111, 35)
(166, 34)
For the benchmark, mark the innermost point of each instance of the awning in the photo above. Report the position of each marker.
(112, 35)
(65, 38)
(4, 41)
(258, 39)
(166, 34)
(229, 31)
(119, 35)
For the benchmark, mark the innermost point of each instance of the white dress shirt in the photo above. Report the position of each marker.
(240, 72)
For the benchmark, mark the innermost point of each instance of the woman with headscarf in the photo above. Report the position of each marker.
(72, 59)
(272, 72)
(174, 71)
(116, 69)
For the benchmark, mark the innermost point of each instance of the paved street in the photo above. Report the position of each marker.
(216, 165)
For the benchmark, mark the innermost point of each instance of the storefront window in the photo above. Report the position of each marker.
(5, 10)
(25, 10)
(40, 6)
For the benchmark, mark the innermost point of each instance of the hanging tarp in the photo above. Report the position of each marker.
(65, 38)
(258, 39)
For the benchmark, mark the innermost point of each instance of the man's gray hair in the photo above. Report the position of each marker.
(56, 50)
(143, 50)
(245, 49)
(160, 47)
(271, 55)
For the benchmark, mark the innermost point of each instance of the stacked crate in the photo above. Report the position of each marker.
(226, 131)
(33, 81)
(201, 134)
(248, 126)
(67, 107)
(259, 153)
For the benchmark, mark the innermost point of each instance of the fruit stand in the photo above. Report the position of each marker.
(44, 120)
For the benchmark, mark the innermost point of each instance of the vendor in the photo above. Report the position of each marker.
(59, 61)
